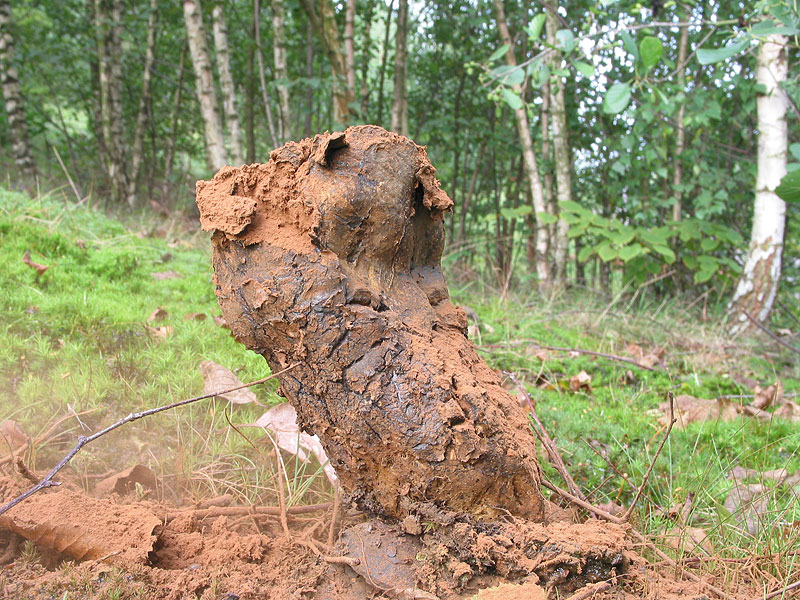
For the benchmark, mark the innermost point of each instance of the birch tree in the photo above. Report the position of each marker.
(216, 156)
(281, 69)
(226, 84)
(758, 284)
(15, 109)
(400, 101)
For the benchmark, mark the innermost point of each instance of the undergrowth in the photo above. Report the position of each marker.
(77, 353)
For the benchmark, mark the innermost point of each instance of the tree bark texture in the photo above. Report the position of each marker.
(384, 59)
(365, 58)
(349, 43)
(226, 84)
(677, 173)
(531, 168)
(328, 258)
(216, 156)
(400, 101)
(144, 103)
(281, 69)
(12, 96)
(758, 284)
(262, 75)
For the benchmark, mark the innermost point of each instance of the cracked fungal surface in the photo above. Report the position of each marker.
(329, 256)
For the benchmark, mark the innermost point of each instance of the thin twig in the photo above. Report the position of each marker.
(628, 512)
(769, 333)
(582, 503)
(534, 344)
(84, 440)
(547, 441)
(782, 591)
(240, 511)
(281, 486)
(71, 183)
(337, 499)
(591, 590)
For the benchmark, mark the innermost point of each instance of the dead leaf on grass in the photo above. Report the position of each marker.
(195, 316)
(689, 540)
(581, 382)
(689, 409)
(573, 354)
(159, 333)
(217, 378)
(125, 481)
(158, 314)
(220, 322)
(12, 437)
(26, 258)
(647, 358)
(788, 410)
(773, 395)
(281, 420)
(749, 503)
(161, 275)
(740, 474)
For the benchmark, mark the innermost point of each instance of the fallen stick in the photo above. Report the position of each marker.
(242, 511)
(578, 350)
(84, 440)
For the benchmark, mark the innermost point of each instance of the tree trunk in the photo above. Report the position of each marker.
(562, 154)
(677, 173)
(462, 223)
(226, 84)
(531, 168)
(144, 103)
(309, 76)
(349, 43)
(365, 57)
(114, 57)
(381, 368)
(169, 154)
(262, 75)
(15, 108)
(400, 101)
(281, 70)
(758, 284)
(216, 156)
(250, 103)
(384, 59)
(323, 19)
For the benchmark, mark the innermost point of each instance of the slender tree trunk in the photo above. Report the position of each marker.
(262, 76)
(384, 60)
(169, 154)
(249, 107)
(97, 102)
(365, 56)
(400, 101)
(144, 103)
(226, 84)
(677, 173)
(349, 43)
(281, 70)
(114, 55)
(531, 168)
(457, 148)
(547, 166)
(562, 154)
(323, 19)
(216, 156)
(309, 76)
(15, 109)
(462, 225)
(758, 284)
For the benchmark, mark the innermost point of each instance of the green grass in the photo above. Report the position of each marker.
(75, 340)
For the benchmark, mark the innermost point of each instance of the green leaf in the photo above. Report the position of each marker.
(585, 253)
(628, 252)
(704, 275)
(509, 75)
(571, 206)
(709, 244)
(768, 27)
(545, 218)
(499, 52)
(605, 251)
(666, 252)
(707, 57)
(789, 189)
(565, 40)
(617, 98)
(629, 44)
(583, 68)
(512, 98)
(795, 150)
(650, 50)
(618, 167)
(535, 28)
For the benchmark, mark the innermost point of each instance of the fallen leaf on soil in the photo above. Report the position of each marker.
(573, 354)
(160, 275)
(788, 410)
(740, 473)
(125, 481)
(159, 333)
(541, 354)
(26, 258)
(85, 528)
(217, 378)
(158, 314)
(748, 502)
(689, 409)
(194, 316)
(12, 437)
(688, 540)
(648, 359)
(220, 322)
(581, 381)
(281, 420)
(764, 398)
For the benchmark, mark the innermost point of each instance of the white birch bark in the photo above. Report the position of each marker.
(758, 284)
(216, 156)
(281, 69)
(226, 83)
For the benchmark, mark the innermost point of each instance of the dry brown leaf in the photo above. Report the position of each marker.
(125, 481)
(85, 528)
(764, 398)
(195, 316)
(160, 275)
(281, 420)
(788, 410)
(159, 333)
(217, 378)
(741, 474)
(541, 354)
(648, 359)
(80, 244)
(573, 354)
(748, 502)
(689, 540)
(689, 409)
(26, 258)
(220, 322)
(581, 382)
(12, 437)
(158, 314)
